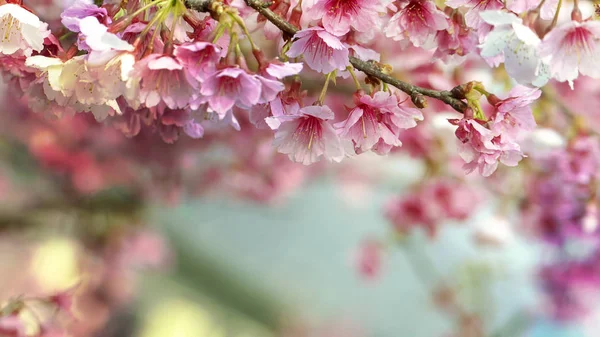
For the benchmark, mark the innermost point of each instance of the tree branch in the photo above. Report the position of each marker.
(369, 68)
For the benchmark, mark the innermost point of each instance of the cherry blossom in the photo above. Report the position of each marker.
(572, 49)
(418, 21)
(516, 45)
(307, 136)
(321, 50)
(339, 16)
(380, 117)
(22, 32)
(228, 87)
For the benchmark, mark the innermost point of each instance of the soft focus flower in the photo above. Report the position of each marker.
(339, 16)
(228, 87)
(457, 39)
(573, 48)
(199, 58)
(163, 78)
(321, 50)
(516, 45)
(12, 326)
(429, 205)
(21, 32)
(308, 135)
(418, 21)
(513, 115)
(377, 118)
(481, 149)
(368, 259)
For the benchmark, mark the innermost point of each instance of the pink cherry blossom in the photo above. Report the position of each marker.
(21, 32)
(199, 58)
(338, 16)
(481, 149)
(457, 39)
(418, 21)
(513, 115)
(307, 136)
(573, 48)
(321, 50)
(377, 118)
(229, 87)
(163, 78)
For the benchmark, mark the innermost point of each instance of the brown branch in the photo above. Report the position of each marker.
(369, 68)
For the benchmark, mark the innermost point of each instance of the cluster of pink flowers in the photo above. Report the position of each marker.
(483, 142)
(174, 70)
(429, 205)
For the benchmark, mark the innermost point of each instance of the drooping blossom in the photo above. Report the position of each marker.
(457, 39)
(375, 118)
(12, 326)
(516, 45)
(21, 32)
(229, 87)
(321, 50)
(162, 78)
(417, 21)
(338, 16)
(308, 136)
(200, 58)
(482, 149)
(513, 115)
(571, 49)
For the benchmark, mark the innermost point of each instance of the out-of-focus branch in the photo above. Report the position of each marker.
(370, 68)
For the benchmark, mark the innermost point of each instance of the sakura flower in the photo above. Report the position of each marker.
(481, 149)
(417, 20)
(307, 136)
(516, 45)
(21, 31)
(200, 58)
(573, 48)
(72, 16)
(339, 16)
(472, 17)
(270, 78)
(228, 87)
(322, 51)
(162, 78)
(457, 39)
(513, 114)
(377, 118)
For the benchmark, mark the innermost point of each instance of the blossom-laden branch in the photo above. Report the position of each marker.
(371, 69)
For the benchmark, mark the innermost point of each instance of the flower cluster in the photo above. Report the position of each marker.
(483, 142)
